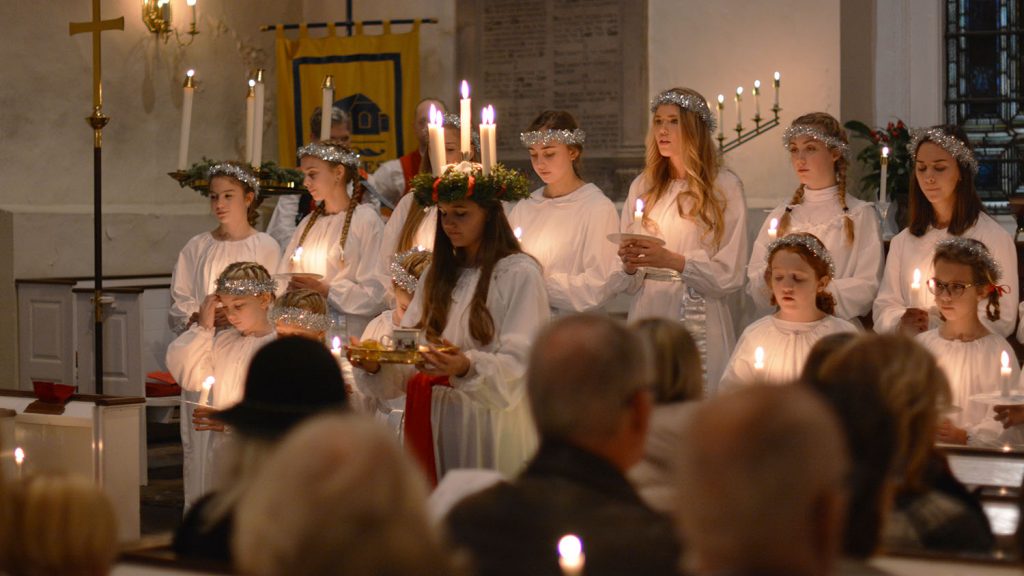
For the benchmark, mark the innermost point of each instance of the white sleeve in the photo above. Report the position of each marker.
(497, 377)
(854, 294)
(756, 286)
(721, 273)
(740, 370)
(357, 289)
(592, 287)
(282, 222)
(183, 302)
(190, 357)
(891, 303)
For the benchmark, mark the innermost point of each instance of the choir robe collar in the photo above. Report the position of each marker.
(560, 458)
(579, 195)
(822, 195)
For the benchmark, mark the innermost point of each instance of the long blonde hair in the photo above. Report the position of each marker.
(701, 163)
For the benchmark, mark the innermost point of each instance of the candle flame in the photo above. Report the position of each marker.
(335, 343)
(190, 73)
(19, 455)
(721, 98)
(518, 232)
(190, 2)
(773, 225)
(639, 206)
(209, 382)
(739, 91)
(298, 254)
(778, 76)
(885, 151)
(759, 357)
(570, 548)
(757, 83)
(420, 248)
(917, 278)
(433, 113)
(465, 90)
(1004, 359)
(252, 83)
(1006, 448)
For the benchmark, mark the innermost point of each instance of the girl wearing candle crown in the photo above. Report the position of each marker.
(799, 270)
(943, 204)
(486, 298)
(848, 227)
(566, 222)
(699, 211)
(970, 354)
(246, 291)
(339, 240)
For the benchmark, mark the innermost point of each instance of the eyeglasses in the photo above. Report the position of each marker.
(954, 289)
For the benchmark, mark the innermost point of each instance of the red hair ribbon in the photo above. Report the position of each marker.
(469, 186)
(434, 195)
(1002, 289)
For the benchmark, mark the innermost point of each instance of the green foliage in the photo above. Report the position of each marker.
(466, 180)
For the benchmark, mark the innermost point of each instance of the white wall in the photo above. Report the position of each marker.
(716, 46)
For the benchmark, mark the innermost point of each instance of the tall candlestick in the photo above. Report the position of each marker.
(465, 111)
(257, 134)
(915, 290)
(757, 100)
(739, 108)
(435, 132)
(759, 359)
(638, 214)
(776, 82)
(186, 120)
(250, 118)
(721, 113)
(19, 459)
(1004, 374)
(204, 396)
(327, 108)
(882, 188)
(570, 555)
(773, 228)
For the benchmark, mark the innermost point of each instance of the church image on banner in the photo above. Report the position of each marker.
(369, 125)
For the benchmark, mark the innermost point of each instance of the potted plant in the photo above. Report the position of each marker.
(896, 137)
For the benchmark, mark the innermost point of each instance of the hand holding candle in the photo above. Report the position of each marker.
(570, 555)
(186, 120)
(204, 396)
(1004, 374)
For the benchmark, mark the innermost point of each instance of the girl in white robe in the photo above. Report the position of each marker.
(245, 290)
(699, 212)
(565, 224)
(484, 300)
(775, 348)
(338, 241)
(943, 204)
(970, 354)
(234, 196)
(848, 227)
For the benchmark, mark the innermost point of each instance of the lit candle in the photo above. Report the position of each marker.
(773, 228)
(721, 112)
(739, 108)
(250, 115)
(485, 148)
(1004, 374)
(915, 289)
(570, 555)
(638, 214)
(464, 117)
(435, 131)
(186, 120)
(336, 347)
(296, 259)
(757, 99)
(518, 233)
(776, 82)
(759, 358)
(204, 396)
(19, 459)
(492, 143)
(882, 189)
(257, 123)
(327, 107)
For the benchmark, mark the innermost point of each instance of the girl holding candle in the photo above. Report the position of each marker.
(965, 276)
(943, 204)
(246, 291)
(699, 211)
(566, 222)
(799, 272)
(485, 297)
(848, 227)
(339, 239)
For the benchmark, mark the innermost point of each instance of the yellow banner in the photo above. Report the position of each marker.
(376, 80)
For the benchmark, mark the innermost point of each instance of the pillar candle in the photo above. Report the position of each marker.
(492, 142)
(1004, 374)
(721, 114)
(739, 108)
(257, 132)
(186, 121)
(485, 148)
(204, 396)
(465, 113)
(882, 195)
(435, 148)
(757, 99)
(776, 82)
(250, 115)
(327, 108)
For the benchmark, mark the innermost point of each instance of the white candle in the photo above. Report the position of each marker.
(518, 233)
(204, 396)
(186, 121)
(327, 108)
(465, 114)
(757, 99)
(250, 116)
(721, 113)
(638, 214)
(776, 82)
(435, 131)
(739, 108)
(19, 459)
(1004, 374)
(336, 347)
(257, 133)
(885, 174)
(296, 259)
(485, 148)
(570, 555)
(915, 289)
(493, 135)
(773, 228)
(759, 358)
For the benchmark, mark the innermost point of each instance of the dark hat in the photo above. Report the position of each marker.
(288, 380)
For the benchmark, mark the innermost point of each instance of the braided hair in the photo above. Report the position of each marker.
(358, 179)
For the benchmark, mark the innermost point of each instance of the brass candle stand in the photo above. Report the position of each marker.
(760, 127)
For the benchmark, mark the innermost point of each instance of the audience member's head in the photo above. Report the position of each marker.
(423, 118)
(761, 483)
(822, 350)
(589, 384)
(870, 440)
(63, 526)
(677, 370)
(338, 497)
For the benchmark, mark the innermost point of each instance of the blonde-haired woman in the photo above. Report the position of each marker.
(699, 211)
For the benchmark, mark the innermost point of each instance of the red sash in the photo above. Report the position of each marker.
(410, 166)
(419, 436)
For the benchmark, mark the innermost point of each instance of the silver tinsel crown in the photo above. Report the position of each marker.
(974, 248)
(245, 286)
(400, 276)
(546, 137)
(687, 102)
(236, 172)
(957, 149)
(329, 154)
(814, 133)
(802, 240)
(300, 317)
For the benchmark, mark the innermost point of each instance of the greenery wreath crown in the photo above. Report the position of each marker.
(467, 180)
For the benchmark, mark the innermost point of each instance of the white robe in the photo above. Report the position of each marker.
(786, 347)
(424, 237)
(192, 357)
(569, 237)
(858, 265)
(483, 420)
(282, 221)
(202, 260)
(356, 293)
(712, 273)
(907, 252)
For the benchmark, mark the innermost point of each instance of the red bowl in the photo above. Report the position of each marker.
(52, 392)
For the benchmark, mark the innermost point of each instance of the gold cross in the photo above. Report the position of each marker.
(96, 26)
